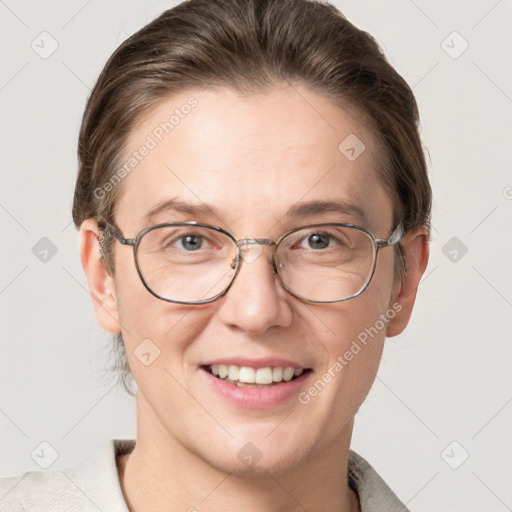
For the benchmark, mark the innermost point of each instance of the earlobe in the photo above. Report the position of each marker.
(101, 283)
(415, 250)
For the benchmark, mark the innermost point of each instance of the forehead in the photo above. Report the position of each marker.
(251, 160)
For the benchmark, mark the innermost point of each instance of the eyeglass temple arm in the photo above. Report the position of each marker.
(117, 233)
(393, 239)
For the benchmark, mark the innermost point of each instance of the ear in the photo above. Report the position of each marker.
(101, 283)
(415, 250)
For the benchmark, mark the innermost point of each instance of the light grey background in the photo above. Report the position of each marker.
(446, 379)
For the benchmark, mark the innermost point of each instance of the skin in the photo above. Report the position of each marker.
(252, 158)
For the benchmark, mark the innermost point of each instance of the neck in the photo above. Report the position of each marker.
(163, 474)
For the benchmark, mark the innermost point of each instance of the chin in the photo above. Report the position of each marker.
(251, 462)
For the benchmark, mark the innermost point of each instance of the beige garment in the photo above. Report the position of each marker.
(94, 486)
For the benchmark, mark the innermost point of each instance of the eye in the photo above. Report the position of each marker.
(316, 241)
(321, 240)
(176, 239)
(190, 242)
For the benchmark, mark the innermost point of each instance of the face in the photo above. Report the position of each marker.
(250, 160)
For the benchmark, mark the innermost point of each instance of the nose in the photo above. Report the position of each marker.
(256, 300)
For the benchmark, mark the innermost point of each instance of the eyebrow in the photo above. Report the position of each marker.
(303, 209)
(180, 206)
(333, 206)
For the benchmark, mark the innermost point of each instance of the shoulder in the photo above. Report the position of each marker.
(36, 490)
(374, 494)
(91, 486)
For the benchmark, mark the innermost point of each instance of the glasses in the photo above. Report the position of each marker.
(195, 263)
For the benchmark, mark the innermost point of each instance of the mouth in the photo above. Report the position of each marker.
(247, 376)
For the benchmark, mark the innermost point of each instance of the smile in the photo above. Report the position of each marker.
(254, 377)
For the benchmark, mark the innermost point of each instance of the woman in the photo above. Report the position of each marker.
(262, 159)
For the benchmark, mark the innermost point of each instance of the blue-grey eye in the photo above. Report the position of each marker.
(318, 240)
(191, 242)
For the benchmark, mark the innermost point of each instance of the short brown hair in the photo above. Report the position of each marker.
(249, 46)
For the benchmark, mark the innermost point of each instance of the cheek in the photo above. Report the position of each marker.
(357, 322)
(141, 313)
(354, 338)
(381, 289)
(142, 316)
(157, 334)
(151, 325)
(369, 312)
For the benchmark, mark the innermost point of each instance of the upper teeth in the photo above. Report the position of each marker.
(251, 375)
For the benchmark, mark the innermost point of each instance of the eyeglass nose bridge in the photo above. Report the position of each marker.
(252, 256)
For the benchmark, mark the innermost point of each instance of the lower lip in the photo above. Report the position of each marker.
(256, 398)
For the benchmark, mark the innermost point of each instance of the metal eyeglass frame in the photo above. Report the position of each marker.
(378, 243)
